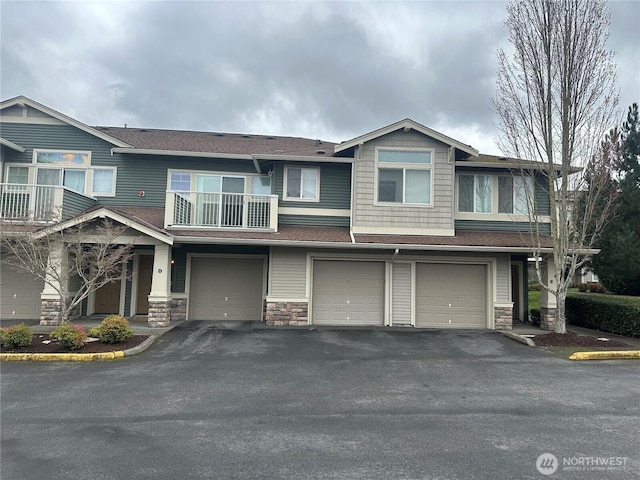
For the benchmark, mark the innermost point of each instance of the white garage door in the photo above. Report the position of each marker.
(226, 289)
(348, 293)
(19, 294)
(451, 295)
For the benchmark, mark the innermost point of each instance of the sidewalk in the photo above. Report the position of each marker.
(528, 329)
(139, 328)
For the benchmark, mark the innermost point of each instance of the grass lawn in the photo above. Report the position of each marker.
(534, 297)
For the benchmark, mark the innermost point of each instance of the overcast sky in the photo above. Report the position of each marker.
(319, 70)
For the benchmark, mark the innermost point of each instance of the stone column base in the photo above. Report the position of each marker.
(503, 318)
(287, 313)
(547, 318)
(159, 314)
(50, 312)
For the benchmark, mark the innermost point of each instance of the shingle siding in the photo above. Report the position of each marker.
(439, 215)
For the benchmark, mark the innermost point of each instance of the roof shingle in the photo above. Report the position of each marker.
(214, 142)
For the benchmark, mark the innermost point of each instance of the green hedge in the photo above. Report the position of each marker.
(608, 313)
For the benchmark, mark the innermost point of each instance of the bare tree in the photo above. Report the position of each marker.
(556, 99)
(73, 262)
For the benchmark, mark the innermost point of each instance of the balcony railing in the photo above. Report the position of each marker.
(222, 210)
(40, 203)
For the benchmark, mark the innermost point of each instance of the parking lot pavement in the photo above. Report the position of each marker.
(212, 402)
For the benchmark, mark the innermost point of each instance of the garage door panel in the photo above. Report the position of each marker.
(451, 295)
(19, 294)
(226, 289)
(348, 293)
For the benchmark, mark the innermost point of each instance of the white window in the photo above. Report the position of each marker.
(404, 176)
(103, 181)
(302, 183)
(481, 194)
(19, 175)
(514, 194)
(206, 182)
(475, 193)
(180, 182)
(70, 169)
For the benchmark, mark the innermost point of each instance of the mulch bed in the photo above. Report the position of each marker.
(94, 347)
(570, 339)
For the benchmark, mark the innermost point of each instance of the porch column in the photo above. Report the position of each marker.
(160, 296)
(547, 300)
(51, 304)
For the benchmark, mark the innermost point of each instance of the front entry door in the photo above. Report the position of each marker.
(107, 298)
(145, 275)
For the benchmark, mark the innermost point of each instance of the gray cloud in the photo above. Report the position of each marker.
(328, 70)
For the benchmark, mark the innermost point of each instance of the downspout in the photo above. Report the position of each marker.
(353, 184)
(256, 164)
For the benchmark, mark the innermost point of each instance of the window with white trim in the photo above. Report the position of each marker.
(302, 183)
(211, 182)
(404, 176)
(65, 168)
(494, 194)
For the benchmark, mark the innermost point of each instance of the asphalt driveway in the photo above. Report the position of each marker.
(243, 403)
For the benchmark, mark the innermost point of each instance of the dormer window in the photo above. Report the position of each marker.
(404, 176)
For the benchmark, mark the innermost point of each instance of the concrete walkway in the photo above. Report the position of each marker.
(139, 328)
(528, 329)
(142, 328)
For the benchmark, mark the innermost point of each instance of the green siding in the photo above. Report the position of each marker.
(322, 220)
(179, 271)
(74, 203)
(135, 173)
(497, 226)
(149, 174)
(542, 196)
(63, 137)
(335, 185)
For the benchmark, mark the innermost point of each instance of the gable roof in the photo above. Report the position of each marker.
(130, 221)
(22, 101)
(180, 142)
(406, 124)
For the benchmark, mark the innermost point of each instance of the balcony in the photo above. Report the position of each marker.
(222, 210)
(40, 203)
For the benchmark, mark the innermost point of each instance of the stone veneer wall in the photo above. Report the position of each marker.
(179, 310)
(162, 313)
(287, 313)
(547, 318)
(159, 314)
(503, 318)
